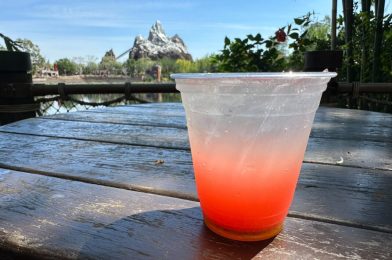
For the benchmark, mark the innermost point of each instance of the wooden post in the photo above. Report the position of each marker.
(16, 98)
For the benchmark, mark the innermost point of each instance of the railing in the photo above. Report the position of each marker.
(373, 96)
(61, 97)
(57, 98)
(366, 96)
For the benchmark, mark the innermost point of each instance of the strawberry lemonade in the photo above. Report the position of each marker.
(248, 135)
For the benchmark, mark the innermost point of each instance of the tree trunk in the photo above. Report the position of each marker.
(348, 25)
(333, 25)
(365, 41)
(379, 8)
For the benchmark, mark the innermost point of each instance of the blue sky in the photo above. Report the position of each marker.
(72, 28)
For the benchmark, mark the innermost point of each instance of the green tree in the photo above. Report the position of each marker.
(168, 66)
(185, 66)
(371, 49)
(110, 64)
(206, 64)
(137, 68)
(66, 66)
(319, 35)
(37, 60)
(90, 68)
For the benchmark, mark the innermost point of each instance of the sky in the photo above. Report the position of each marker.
(75, 28)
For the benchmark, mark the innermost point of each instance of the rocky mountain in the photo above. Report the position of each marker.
(158, 45)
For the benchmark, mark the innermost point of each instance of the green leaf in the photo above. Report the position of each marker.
(298, 21)
(292, 45)
(258, 37)
(227, 41)
(250, 37)
(268, 43)
(306, 42)
(294, 35)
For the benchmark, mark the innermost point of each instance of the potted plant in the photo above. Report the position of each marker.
(16, 99)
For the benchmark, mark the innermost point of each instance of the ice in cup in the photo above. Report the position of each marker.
(248, 134)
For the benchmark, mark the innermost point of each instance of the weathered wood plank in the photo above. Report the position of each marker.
(348, 152)
(337, 116)
(348, 194)
(134, 118)
(147, 134)
(171, 108)
(329, 123)
(54, 218)
(92, 161)
(105, 132)
(356, 153)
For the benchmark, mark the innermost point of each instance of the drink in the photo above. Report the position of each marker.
(248, 135)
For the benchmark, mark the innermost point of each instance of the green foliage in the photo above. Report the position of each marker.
(142, 67)
(138, 68)
(202, 65)
(206, 64)
(168, 66)
(37, 60)
(111, 64)
(319, 35)
(184, 66)
(66, 66)
(363, 38)
(90, 68)
(254, 53)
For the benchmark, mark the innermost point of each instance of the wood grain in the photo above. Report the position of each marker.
(131, 118)
(353, 195)
(54, 218)
(166, 137)
(356, 152)
(330, 123)
(335, 116)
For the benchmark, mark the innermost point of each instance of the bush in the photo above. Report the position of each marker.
(254, 53)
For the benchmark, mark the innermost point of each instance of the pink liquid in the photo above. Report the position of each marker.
(247, 186)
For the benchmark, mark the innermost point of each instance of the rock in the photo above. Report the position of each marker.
(158, 45)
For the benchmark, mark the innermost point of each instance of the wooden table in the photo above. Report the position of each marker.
(118, 183)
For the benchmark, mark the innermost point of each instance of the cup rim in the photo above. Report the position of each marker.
(254, 75)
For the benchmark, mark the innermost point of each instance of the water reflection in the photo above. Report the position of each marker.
(51, 107)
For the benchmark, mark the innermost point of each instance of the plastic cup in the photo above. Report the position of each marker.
(248, 134)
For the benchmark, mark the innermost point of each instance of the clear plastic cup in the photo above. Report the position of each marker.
(248, 134)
